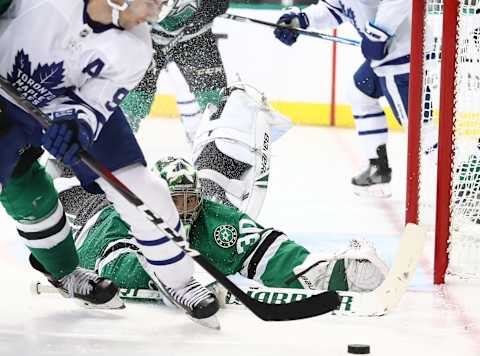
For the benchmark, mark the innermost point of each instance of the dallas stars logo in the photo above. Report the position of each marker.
(225, 236)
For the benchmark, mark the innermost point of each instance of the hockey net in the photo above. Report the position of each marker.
(444, 195)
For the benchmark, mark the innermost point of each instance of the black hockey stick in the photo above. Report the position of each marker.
(316, 305)
(300, 31)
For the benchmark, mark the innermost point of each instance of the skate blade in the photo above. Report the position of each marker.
(114, 303)
(373, 191)
(211, 322)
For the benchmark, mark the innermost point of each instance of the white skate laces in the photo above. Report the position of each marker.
(78, 282)
(190, 295)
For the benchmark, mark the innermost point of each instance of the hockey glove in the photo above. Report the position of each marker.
(67, 134)
(374, 42)
(293, 18)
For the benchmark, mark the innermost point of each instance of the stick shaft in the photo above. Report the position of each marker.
(316, 305)
(300, 31)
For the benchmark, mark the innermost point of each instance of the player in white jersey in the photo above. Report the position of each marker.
(384, 26)
(89, 55)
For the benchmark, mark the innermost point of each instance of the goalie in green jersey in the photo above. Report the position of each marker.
(228, 238)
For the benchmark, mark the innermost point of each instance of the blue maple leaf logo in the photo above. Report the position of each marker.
(348, 12)
(22, 65)
(40, 86)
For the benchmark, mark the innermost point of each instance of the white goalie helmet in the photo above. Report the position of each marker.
(184, 186)
(160, 11)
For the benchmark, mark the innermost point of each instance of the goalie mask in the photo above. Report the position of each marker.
(184, 186)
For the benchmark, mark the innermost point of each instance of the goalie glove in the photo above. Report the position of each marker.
(293, 18)
(357, 269)
(374, 42)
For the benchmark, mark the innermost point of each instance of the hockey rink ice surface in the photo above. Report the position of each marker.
(311, 200)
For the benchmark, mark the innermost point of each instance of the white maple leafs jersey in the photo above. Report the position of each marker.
(58, 58)
(392, 16)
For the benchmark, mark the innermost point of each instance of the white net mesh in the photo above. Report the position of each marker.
(430, 110)
(464, 241)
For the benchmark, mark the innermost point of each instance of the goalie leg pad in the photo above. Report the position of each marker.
(242, 135)
(218, 173)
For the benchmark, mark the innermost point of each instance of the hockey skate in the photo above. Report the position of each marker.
(375, 180)
(86, 287)
(198, 302)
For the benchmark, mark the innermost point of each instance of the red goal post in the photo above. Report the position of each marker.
(444, 97)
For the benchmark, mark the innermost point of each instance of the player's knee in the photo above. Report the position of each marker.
(29, 194)
(367, 82)
(363, 104)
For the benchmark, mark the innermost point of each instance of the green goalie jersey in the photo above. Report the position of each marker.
(229, 239)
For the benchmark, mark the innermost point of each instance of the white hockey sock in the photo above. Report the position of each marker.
(172, 266)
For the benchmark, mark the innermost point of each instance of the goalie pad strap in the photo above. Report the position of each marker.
(260, 252)
(232, 186)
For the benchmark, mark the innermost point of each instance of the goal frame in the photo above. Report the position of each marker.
(446, 125)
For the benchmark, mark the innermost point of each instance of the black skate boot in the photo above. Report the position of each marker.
(375, 180)
(199, 303)
(90, 290)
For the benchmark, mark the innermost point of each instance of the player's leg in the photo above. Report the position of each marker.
(200, 62)
(395, 89)
(190, 111)
(30, 198)
(372, 129)
(118, 149)
(138, 103)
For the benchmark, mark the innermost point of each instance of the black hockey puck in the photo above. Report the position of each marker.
(358, 349)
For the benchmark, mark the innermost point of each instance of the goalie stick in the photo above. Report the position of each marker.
(317, 305)
(300, 31)
(378, 302)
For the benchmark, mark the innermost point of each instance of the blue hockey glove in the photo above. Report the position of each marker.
(374, 42)
(293, 18)
(67, 135)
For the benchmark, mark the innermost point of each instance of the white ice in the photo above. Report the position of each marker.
(310, 199)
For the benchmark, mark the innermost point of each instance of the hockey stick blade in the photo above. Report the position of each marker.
(300, 31)
(323, 303)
